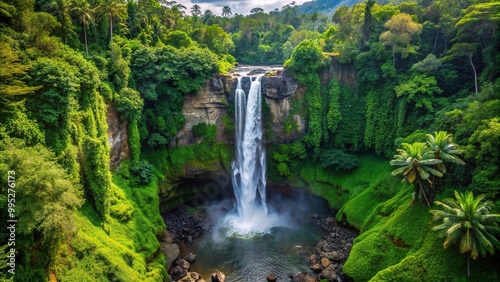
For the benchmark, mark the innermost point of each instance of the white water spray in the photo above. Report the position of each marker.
(249, 167)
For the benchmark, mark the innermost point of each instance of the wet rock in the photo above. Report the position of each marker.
(333, 250)
(183, 263)
(178, 273)
(316, 268)
(189, 240)
(192, 277)
(329, 273)
(303, 277)
(218, 277)
(171, 252)
(272, 278)
(190, 257)
(335, 256)
(313, 259)
(325, 262)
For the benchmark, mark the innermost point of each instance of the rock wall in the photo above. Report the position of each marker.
(211, 104)
(344, 73)
(279, 90)
(117, 138)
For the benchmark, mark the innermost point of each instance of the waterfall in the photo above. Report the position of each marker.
(249, 166)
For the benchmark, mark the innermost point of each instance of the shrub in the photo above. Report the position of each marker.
(338, 160)
(142, 171)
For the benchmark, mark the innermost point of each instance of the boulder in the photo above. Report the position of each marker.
(316, 267)
(313, 259)
(192, 277)
(329, 273)
(303, 277)
(183, 263)
(190, 257)
(218, 277)
(178, 273)
(334, 255)
(325, 262)
(272, 278)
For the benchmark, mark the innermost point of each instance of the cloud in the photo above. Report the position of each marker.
(237, 6)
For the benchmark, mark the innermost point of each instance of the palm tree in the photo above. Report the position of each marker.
(60, 9)
(468, 222)
(226, 11)
(113, 9)
(441, 143)
(196, 10)
(86, 14)
(415, 162)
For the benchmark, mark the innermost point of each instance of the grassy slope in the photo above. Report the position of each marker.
(123, 248)
(396, 242)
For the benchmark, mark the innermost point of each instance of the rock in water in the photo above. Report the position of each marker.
(190, 257)
(178, 273)
(303, 277)
(316, 267)
(183, 263)
(218, 277)
(192, 277)
(272, 278)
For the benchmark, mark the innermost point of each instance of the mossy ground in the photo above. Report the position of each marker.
(124, 246)
(396, 241)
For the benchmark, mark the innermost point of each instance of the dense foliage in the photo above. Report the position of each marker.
(375, 77)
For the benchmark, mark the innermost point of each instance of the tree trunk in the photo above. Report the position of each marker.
(468, 266)
(111, 28)
(435, 42)
(85, 35)
(394, 56)
(475, 73)
(423, 191)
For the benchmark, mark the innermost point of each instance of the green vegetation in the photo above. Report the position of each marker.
(374, 77)
(469, 223)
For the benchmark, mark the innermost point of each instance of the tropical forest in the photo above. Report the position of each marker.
(313, 140)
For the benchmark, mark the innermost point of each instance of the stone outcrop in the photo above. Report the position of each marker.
(211, 104)
(279, 90)
(117, 138)
(344, 73)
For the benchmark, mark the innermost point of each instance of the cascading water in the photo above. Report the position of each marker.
(249, 167)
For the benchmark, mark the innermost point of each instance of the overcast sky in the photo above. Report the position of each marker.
(237, 6)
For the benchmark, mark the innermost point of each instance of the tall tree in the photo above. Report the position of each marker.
(114, 9)
(60, 9)
(226, 11)
(85, 13)
(466, 50)
(416, 162)
(399, 36)
(468, 222)
(196, 10)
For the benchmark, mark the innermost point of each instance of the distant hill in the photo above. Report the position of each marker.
(325, 6)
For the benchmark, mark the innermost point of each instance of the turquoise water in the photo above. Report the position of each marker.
(284, 250)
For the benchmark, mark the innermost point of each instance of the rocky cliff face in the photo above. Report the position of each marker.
(117, 138)
(279, 90)
(344, 73)
(211, 104)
